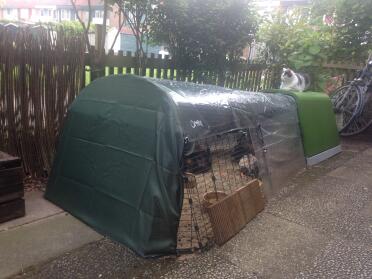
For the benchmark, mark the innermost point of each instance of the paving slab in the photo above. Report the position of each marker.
(108, 259)
(312, 174)
(331, 206)
(40, 241)
(335, 161)
(357, 143)
(272, 247)
(364, 157)
(341, 260)
(367, 152)
(209, 265)
(103, 258)
(354, 171)
(37, 208)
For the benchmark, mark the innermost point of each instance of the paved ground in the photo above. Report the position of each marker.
(37, 209)
(44, 233)
(320, 226)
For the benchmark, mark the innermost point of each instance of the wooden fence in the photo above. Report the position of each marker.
(40, 74)
(250, 77)
(348, 71)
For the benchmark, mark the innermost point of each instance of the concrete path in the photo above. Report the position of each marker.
(320, 226)
(37, 208)
(44, 233)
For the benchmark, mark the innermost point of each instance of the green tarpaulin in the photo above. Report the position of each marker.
(118, 165)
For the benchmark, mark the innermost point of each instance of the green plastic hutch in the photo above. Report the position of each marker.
(320, 137)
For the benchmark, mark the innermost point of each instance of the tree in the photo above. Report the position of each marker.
(339, 30)
(208, 34)
(137, 14)
(351, 24)
(133, 12)
(291, 40)
(306, 38)
(84, 26)
(87, 25)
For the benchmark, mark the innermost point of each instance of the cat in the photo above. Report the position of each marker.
(294, 81)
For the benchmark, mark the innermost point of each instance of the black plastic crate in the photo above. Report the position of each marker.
(11, 187)
(7, 161)
(12, 209)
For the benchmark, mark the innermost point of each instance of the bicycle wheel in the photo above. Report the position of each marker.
(363, 121)
(347, 104)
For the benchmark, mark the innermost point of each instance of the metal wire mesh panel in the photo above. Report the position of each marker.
(213, 168)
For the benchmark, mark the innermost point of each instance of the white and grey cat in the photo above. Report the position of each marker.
(294, 81)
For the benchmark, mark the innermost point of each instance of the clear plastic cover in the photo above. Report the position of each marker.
(271, 119)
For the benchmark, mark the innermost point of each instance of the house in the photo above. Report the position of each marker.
(35, 11)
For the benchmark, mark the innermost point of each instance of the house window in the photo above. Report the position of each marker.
(73, 15)
(24, 13)
(11, 14)
(128, 43)
(46, 13)
(129, 19)
(98, 14)
(65, 14)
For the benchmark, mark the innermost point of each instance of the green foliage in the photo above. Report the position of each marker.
(209, 33)
(291, 40)
(72, 26)
(352, 27)
(301, 40)
(5, 21)
(347, 38)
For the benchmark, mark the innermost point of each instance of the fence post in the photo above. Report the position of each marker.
(129, 69)
(221, 78)
(137, 68)
(110, 57)
(97, 66)
(120, 68)
(99, 38)
(152, 58)
(158, 69)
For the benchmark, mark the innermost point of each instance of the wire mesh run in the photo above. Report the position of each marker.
(212, 169)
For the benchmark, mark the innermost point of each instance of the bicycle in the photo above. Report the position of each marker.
(350, 101)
